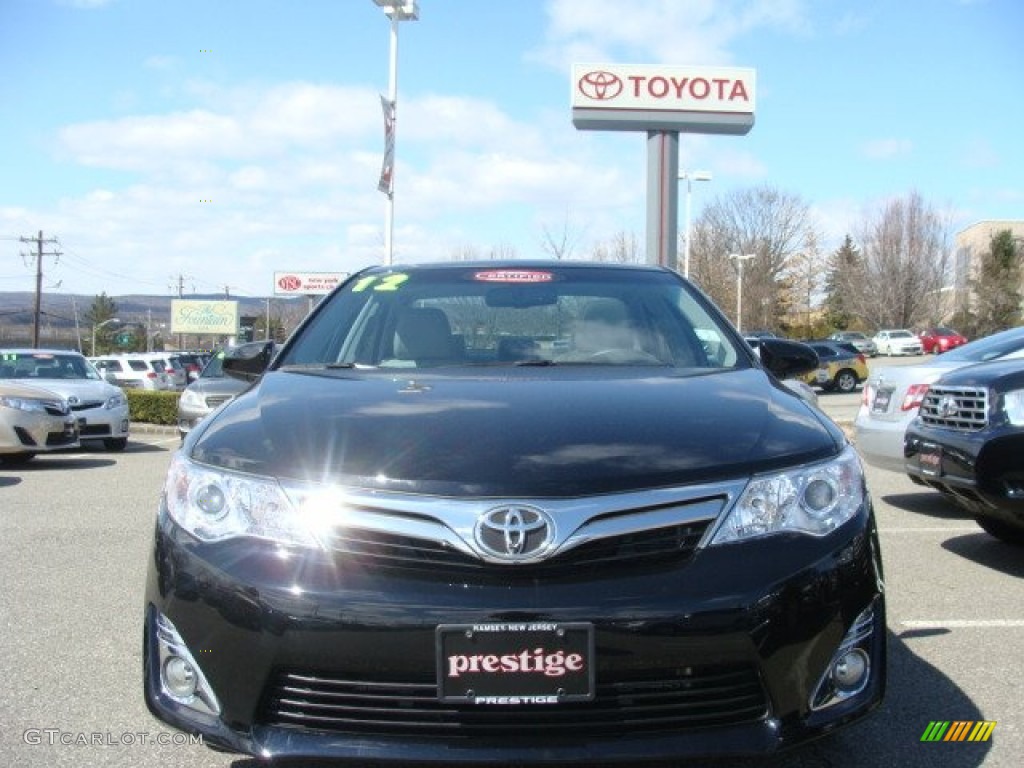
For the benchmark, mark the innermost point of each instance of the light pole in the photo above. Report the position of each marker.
(396, 10)
(96, 327)
(689, 177)
(740, 258)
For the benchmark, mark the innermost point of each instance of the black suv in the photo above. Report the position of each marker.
(967, 441)
(510, 513)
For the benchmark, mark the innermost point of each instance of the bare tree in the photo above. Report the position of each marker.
(560, 244)
(503, 251)
(905, 263)
(623, 248)
(763, 221)
(807, 271)
(464, 253)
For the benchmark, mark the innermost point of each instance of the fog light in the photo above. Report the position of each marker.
(179, 678)
(850, 671)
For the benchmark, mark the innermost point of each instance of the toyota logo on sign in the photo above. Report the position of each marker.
(514, 532)
(600, 85)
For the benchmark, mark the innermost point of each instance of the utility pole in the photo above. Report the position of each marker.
(40, 241)
(181, 295)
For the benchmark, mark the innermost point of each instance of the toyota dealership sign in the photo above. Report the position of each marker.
(632, 97)
(306, 283)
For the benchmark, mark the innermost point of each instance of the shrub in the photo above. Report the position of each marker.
(153, 407)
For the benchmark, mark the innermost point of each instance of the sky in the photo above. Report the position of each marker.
(208, 144)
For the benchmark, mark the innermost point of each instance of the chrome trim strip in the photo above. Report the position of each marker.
(452, 521)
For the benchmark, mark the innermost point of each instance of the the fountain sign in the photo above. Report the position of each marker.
(630, 97)
(204, 317)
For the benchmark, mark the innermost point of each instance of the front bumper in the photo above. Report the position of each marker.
(981, 470)
(38, 433)
(101, 423)
(309, 656)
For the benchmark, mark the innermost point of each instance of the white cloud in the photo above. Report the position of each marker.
(883, 149)
(660, 31)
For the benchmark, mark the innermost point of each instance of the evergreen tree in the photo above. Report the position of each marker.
(844, 266)
(997, 286)
(102, 310)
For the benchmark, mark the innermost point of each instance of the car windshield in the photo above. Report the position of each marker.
(989, 348)
(45, 365)
(535, 315)
(215, 368)
(900, 335)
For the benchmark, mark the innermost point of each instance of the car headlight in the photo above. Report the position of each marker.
(1013, 407)
(191, 399)
(24, 404)
(115, 401)
(213, 504)
(814, 499)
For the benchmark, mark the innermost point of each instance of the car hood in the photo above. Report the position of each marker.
(519, 435)
(85, 390)
(217, 385)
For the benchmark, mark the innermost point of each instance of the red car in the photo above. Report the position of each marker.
(938, 340)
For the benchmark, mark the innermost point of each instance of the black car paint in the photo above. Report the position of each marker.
(511, 434)
(981, 470)
(256, 609)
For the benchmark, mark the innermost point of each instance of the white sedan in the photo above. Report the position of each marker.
(898, 341)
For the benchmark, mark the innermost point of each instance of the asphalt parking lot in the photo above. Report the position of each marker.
(74, 536)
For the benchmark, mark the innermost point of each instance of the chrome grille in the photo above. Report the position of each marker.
(212, 401)
(960, 408)
(692, 698)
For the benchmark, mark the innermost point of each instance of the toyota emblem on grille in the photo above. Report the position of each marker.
(72, 400)
(514, 532)
(600, 85)
(948, 407)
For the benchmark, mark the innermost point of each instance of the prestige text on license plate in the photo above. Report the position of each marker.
(515, 663)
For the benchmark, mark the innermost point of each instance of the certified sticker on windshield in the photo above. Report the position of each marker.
(514, 276)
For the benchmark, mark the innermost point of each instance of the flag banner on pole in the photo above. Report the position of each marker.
(384, 185)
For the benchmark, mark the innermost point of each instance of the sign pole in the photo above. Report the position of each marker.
(662, 198)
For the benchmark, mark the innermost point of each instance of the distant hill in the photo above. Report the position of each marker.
(63, 323)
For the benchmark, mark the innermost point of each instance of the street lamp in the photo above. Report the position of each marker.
(96, 327)
(740, 258)
(689, 177)
(396, 10)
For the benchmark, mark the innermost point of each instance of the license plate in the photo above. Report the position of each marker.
(881, 402)
(515, 663)
(929, 458)
(822, 375)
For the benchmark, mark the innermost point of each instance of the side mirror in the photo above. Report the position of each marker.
(787, 359)
(248, 361)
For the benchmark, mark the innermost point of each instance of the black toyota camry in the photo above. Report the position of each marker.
(514, 511)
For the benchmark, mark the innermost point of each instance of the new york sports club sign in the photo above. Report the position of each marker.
(640, 97)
